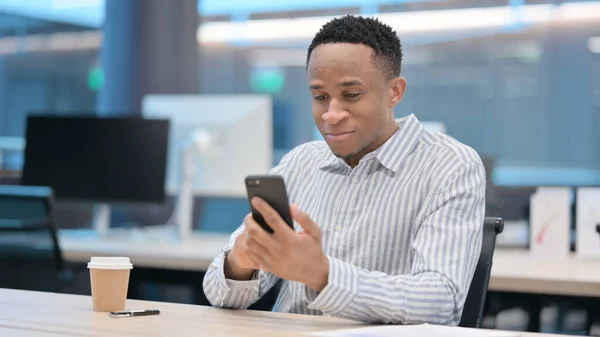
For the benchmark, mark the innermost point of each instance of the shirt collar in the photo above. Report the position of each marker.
(402, 143)
(394, 151)
(332, 162)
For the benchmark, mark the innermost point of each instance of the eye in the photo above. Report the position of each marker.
(320, 98)
(352, 95)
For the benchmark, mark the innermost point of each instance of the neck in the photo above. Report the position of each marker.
(389, 131)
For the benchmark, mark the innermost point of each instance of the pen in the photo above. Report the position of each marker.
(131, 313)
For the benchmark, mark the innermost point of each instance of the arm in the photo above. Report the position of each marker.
(227, 293)
(230, 293)
(445, 253)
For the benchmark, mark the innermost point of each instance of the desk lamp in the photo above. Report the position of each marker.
(206, 146)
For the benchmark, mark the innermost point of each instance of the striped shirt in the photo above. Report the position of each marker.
(402, 231)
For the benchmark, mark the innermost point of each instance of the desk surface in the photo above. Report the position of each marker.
(518, 271)
(33, 314)
(150, 249)
(512, 271)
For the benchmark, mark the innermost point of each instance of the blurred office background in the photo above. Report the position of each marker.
(518, 80)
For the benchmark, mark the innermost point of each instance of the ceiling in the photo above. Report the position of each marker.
(30, 17)
(90, 13)
(11, 25)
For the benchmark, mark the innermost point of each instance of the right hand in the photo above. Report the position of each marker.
(239, 264)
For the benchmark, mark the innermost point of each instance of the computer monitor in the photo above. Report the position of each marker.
(98, 160)
(241, 130)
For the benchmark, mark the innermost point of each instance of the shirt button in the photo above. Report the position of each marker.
(338, 228)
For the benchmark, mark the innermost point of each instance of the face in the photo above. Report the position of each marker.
(352, 99)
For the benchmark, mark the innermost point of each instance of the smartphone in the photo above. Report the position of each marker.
(271, 188)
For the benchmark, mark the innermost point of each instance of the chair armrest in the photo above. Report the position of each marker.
(499, 228)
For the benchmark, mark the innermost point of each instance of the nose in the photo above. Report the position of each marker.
(335, 113)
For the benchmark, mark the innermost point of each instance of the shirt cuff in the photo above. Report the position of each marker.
(229, 284)
(341, 288)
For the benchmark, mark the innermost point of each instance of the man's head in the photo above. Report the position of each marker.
(353, 68)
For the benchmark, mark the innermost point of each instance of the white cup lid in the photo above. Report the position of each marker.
(110, 263)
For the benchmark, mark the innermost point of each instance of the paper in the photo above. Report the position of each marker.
(588, 216)
(550, 218)
(421, 330)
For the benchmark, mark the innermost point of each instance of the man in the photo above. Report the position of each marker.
(388, 216)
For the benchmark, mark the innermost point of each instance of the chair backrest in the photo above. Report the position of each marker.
(25, 202)
(30, 255)
(473, 309)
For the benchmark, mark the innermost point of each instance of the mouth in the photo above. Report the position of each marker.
(338, 136)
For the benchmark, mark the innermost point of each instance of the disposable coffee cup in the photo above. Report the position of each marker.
(109, 278)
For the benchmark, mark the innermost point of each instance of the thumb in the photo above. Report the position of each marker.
(305, 221)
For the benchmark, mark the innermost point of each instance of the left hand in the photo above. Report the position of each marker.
(285, 253)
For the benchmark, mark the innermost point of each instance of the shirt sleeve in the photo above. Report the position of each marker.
(445, 253)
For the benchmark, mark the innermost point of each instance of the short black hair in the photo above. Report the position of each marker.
(368, 31)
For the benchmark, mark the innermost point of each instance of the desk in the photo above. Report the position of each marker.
(194, 254)
(512, 271)
(33, 314)
(517, 271)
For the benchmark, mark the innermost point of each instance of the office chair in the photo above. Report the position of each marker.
(588, 304)
(593, 313)
(475, 302)
(30, 255)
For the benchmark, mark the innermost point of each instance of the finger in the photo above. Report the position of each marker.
(254, 230)
(241, 248)
(239, 253)
(271, 217)
(262, 262)
(255, 263)
(254, 245)
(309, 226)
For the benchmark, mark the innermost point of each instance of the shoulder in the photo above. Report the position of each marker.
(448, 157)
(446, 146)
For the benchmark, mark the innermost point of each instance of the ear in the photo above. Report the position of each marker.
(397, 86)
